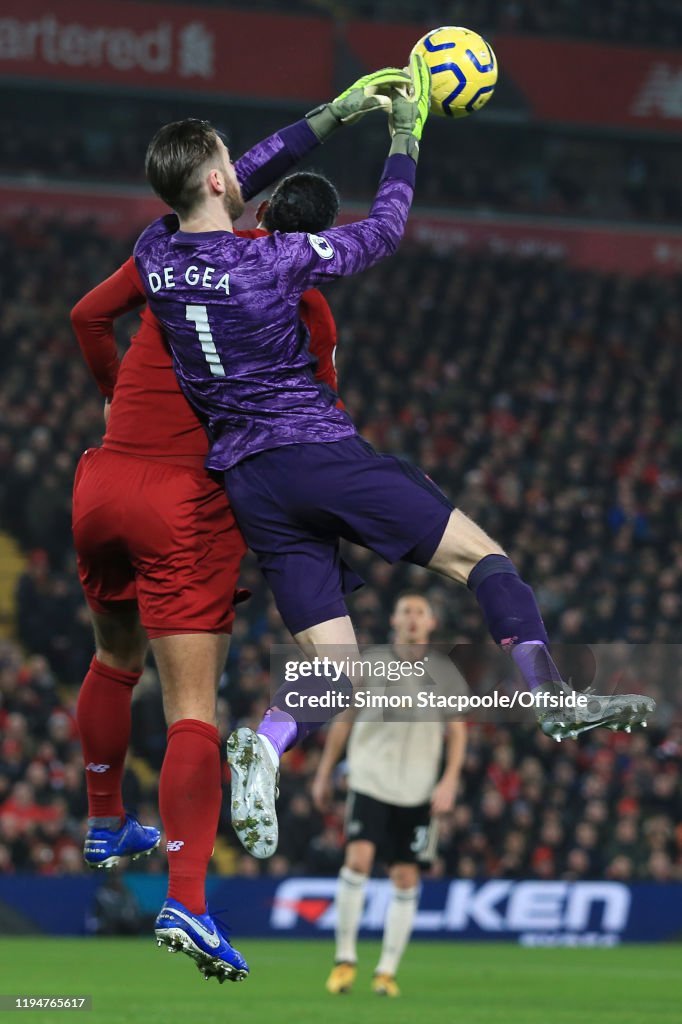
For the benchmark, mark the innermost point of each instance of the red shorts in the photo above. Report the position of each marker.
(161, 535)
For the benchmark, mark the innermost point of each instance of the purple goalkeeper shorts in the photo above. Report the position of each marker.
(293, 504)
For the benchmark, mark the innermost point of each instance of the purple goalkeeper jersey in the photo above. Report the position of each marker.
(229, 308)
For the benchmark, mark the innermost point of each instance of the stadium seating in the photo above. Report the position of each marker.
(545, 399)
(509, 167)
(646, 21)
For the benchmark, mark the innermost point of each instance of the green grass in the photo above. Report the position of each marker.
(442, 983)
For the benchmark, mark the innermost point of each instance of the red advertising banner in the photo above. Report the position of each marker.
(118, 213)
(561, 80)
(624, 250)
(160, 46)
(238, 53)
(599, 85)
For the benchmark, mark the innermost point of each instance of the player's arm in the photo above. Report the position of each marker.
(93, 322)
(315, 313)
(270, 159)
(445, 791)
(305, 260)
(335, 744)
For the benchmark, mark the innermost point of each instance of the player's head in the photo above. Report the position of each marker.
(188, 165)
(413, 620)
(304, 201)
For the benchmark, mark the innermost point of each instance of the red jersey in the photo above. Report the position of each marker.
(144, 379)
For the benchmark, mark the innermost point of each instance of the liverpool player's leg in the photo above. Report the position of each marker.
(103, 719)
(103, 708)
(190, 795)
(190, 787)
(165, 536)
(186, 577)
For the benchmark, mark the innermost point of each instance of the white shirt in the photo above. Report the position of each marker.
(394, 755)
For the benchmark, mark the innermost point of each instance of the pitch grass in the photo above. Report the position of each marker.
(132, 980)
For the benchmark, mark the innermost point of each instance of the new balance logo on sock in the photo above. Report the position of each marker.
(99, 768)
(173, 845)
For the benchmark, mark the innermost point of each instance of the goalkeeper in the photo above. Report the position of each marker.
(298, 475)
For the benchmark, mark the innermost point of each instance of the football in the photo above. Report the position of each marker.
(463, 70)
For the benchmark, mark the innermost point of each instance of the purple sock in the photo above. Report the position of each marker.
(535, 664)
(280, 728)
(508, 604)
(513, 618)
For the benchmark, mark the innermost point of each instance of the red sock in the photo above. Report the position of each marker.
(103, 719)
(190, 794)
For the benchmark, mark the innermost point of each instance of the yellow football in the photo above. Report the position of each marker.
(463, 70)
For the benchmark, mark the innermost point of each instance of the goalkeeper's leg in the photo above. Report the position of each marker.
(466, 554)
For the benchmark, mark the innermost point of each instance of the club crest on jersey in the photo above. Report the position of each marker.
(321, 246)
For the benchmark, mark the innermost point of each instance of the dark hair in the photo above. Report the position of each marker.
(302, 202)
(408, 592)
(175, 156)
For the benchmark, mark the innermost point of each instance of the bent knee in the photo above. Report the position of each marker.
(123, 660)
(463, 546)
(120, 641)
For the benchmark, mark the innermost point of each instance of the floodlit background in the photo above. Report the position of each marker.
(524, 347)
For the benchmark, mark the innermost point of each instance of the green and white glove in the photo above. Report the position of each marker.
(410, 110)
(371, 92)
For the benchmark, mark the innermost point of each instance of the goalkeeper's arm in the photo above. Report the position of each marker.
(339, 252)
(273, 157)
(410, 111)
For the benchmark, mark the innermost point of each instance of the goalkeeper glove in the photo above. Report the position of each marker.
(410, 110)
(362, 96)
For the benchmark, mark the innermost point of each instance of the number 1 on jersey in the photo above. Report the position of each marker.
(199, 317)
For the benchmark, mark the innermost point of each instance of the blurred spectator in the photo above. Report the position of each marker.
(633, 21)
(546, 399)
(523, 834)
(115, 909)
(496, 163)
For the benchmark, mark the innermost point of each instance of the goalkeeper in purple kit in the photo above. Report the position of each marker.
(298, 475)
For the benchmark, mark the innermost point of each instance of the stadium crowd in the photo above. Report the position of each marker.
(510, 168)
(545, 399)
(604, 807)
(654, 22)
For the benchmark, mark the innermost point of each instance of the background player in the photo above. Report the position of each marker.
(394, 797)
(229, 314)
(158, 548)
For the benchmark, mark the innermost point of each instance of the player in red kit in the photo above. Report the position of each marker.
(159, 554)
